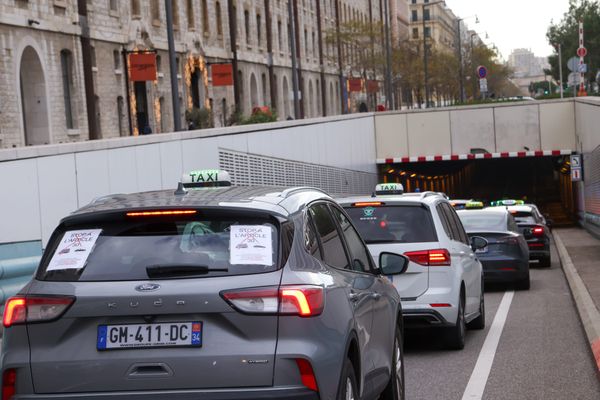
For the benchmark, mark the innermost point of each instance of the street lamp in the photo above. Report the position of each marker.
(425, 55)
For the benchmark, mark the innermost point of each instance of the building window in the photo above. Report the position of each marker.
(113, 5)
(175, 13)
(158, 64)
(219, 20)
(279, 35)
(247, 26)
(314, 48)
(415, 15)
(258, 29)
(426, 15)
(155, 12)
(205, 24)
(190, 14)
(415, 33)
(135, 8)
(66, 61)
(306, 43)
(427, 31)
(117, 59)
(93, 57)
(121, 115)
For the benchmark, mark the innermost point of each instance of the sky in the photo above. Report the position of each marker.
(512, 24)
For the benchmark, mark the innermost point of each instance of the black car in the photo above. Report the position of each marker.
(506, 257)
(536, 231)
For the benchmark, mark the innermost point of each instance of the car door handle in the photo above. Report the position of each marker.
(375, 296)
(353, 297)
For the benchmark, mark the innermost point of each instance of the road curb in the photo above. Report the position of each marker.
(588, 312)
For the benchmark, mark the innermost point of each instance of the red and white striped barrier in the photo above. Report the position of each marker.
(479, 156)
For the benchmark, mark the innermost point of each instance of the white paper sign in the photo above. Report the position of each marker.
(250, 245)
(74, 249)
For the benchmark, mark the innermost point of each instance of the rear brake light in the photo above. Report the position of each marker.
(368, 204)
(302, 300)
(536, 244)
(441, 305)
(158, 213)
(9, 383)
(431, 258)
(307, 374)
(538, 231)
(20, 310)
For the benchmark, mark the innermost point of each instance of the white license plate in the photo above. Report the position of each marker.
(480, 251)
(171, 334)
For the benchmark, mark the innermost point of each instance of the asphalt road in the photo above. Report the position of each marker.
(542, 351)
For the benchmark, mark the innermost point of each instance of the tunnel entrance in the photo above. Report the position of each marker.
(544, 181)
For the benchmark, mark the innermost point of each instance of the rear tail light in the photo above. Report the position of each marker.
(536, 244)
(302, 300)
(430, 258)
(538, 231)
(9, 383)
(307, 374)
(20, 310)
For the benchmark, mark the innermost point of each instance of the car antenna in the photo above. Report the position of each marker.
(180, 190)
(373, 194)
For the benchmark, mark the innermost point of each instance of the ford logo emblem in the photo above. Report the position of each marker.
(147, 287)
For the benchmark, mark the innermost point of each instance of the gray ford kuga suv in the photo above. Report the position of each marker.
(208, 293)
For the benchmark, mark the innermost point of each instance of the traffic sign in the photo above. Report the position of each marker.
(581, 52)
(575, 160)
(573, 64)
(483, 87)
(576, 175)
(574, 79)
(482, 72)
(582, 68)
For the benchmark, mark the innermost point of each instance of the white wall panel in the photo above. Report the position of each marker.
(517, 127)
(199, 154)
(57, 191)
(19, 201)
(148, 167)
(122, 170)
(170, 163)
(391, 135)
(429, 133)
(472, 128)
(92, 175)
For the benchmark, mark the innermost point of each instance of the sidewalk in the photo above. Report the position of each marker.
(579, 255)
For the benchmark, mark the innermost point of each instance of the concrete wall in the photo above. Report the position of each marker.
(42, 184)
(511, 127)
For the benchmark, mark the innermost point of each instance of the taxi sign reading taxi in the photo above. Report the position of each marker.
(206, 178)
(482, 72)
(389, 188)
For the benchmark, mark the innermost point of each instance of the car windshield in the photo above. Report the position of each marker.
(162, 248)
(475, 221)
(523, 217)
(402, 224)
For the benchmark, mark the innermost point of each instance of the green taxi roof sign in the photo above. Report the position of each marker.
(474, 205)
(206, 178)
(389, 189)
(507, 202)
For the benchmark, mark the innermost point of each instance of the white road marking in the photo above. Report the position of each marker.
(483, 366)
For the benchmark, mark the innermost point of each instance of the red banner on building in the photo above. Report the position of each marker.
(142, 67)
(222, 75)
(354, 85)
(372, 86)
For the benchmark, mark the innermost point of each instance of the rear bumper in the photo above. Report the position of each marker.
(507, 270)
(423, 318)
(292, 393)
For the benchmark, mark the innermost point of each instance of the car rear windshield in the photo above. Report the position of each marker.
(482, 222)
(388, 224)
(162, 248)
(523, 217)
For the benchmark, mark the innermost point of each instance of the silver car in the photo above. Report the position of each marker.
(213, 293)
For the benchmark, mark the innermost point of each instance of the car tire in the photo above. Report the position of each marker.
(524, 284)
(348, 389)
(479, 322)
(454, 337)
(396, 386)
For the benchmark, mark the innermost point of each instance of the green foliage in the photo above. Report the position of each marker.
(566, 34)
(259, 117)
(236, 118)
(199, 118)
(545, 87)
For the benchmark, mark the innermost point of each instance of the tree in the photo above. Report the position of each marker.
(566, 34)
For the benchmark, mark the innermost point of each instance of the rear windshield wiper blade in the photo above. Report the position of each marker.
(175, 270)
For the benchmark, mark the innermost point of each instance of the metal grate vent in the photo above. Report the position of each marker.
(251, 169)
(591, 165)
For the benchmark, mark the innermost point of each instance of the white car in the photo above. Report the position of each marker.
(443, 283)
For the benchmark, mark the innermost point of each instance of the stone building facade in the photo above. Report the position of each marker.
(42, 75)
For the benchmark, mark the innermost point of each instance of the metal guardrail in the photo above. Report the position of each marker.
(14, 274)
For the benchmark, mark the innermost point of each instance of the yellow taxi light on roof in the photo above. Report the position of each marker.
(389, 188)
(206, 178)
(474, 204)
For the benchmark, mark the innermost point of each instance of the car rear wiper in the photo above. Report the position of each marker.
(176, 270)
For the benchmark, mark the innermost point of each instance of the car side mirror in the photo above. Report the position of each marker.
(392, 263)
(478, 243)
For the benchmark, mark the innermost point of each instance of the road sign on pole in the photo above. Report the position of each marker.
(573, 64)
(576, 167)
(581, 52)
(482, 72)
(483, 87)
